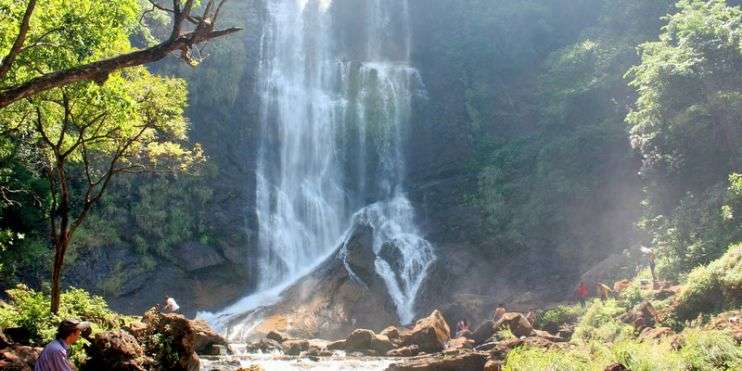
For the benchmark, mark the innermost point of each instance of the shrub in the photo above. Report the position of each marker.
(553, 318)
(706, 350)
(712, 288)
(600, 323)
(529, 359)
(646, 356)
(29, 309)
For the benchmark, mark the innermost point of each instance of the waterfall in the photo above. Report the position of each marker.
(333, 123)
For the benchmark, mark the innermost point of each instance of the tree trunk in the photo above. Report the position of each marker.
(60, 248)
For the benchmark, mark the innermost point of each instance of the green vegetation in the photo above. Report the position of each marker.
(702, 350)
(600, 323)
(712, 288)
(552, 318)
(29, 309)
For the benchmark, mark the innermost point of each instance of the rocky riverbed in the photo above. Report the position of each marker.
(426, 346)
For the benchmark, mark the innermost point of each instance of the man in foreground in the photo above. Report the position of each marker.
(55, 355)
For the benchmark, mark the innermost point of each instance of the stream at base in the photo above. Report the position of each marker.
(281, 362)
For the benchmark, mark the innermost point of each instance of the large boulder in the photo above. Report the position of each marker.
(18, 357)
(116, 351)
(362, 340)
(516, 322)
(206, 338)
(461, 361)
(295, 347)
(483, 332)
(430, 333)
(178, 349)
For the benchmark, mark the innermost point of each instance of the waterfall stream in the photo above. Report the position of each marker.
(333, 124)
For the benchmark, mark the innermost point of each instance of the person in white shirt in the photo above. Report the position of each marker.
(170, 305)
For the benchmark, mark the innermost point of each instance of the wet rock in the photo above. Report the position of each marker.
(116, 351)
(430, 333)
(462, 361)
(275, 336)
(516, 322)
(295, 347)
(408, 351)
(364, 340)
(19, 357)
(653, 334)
(264, 346)
(483, 332)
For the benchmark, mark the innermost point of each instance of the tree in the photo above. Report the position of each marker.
(33, 33)
(685, 124)
(86, 133)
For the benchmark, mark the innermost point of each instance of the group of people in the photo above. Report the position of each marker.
(55, 356)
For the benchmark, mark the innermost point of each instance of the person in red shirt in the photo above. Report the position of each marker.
(581, 292)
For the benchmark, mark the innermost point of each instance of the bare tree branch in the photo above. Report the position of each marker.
(99, 71)
(19, 40)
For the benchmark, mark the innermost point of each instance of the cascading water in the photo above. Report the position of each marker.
(333, 121)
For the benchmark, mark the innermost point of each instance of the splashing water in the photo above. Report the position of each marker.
(332, 129)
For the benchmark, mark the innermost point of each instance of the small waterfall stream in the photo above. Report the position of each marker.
(333, 124)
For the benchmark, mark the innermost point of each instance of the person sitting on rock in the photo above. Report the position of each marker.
(55, 356)
(499, 312)
(170, 305)
(581, 293)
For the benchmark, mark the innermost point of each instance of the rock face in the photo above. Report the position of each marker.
(193, 256)
(331, 302)
(116, 351)
(463, 361)
(430, 333)
(366, 341)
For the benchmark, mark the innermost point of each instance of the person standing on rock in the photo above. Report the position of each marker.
(581, 293)
(651, 258)
(55, 356)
